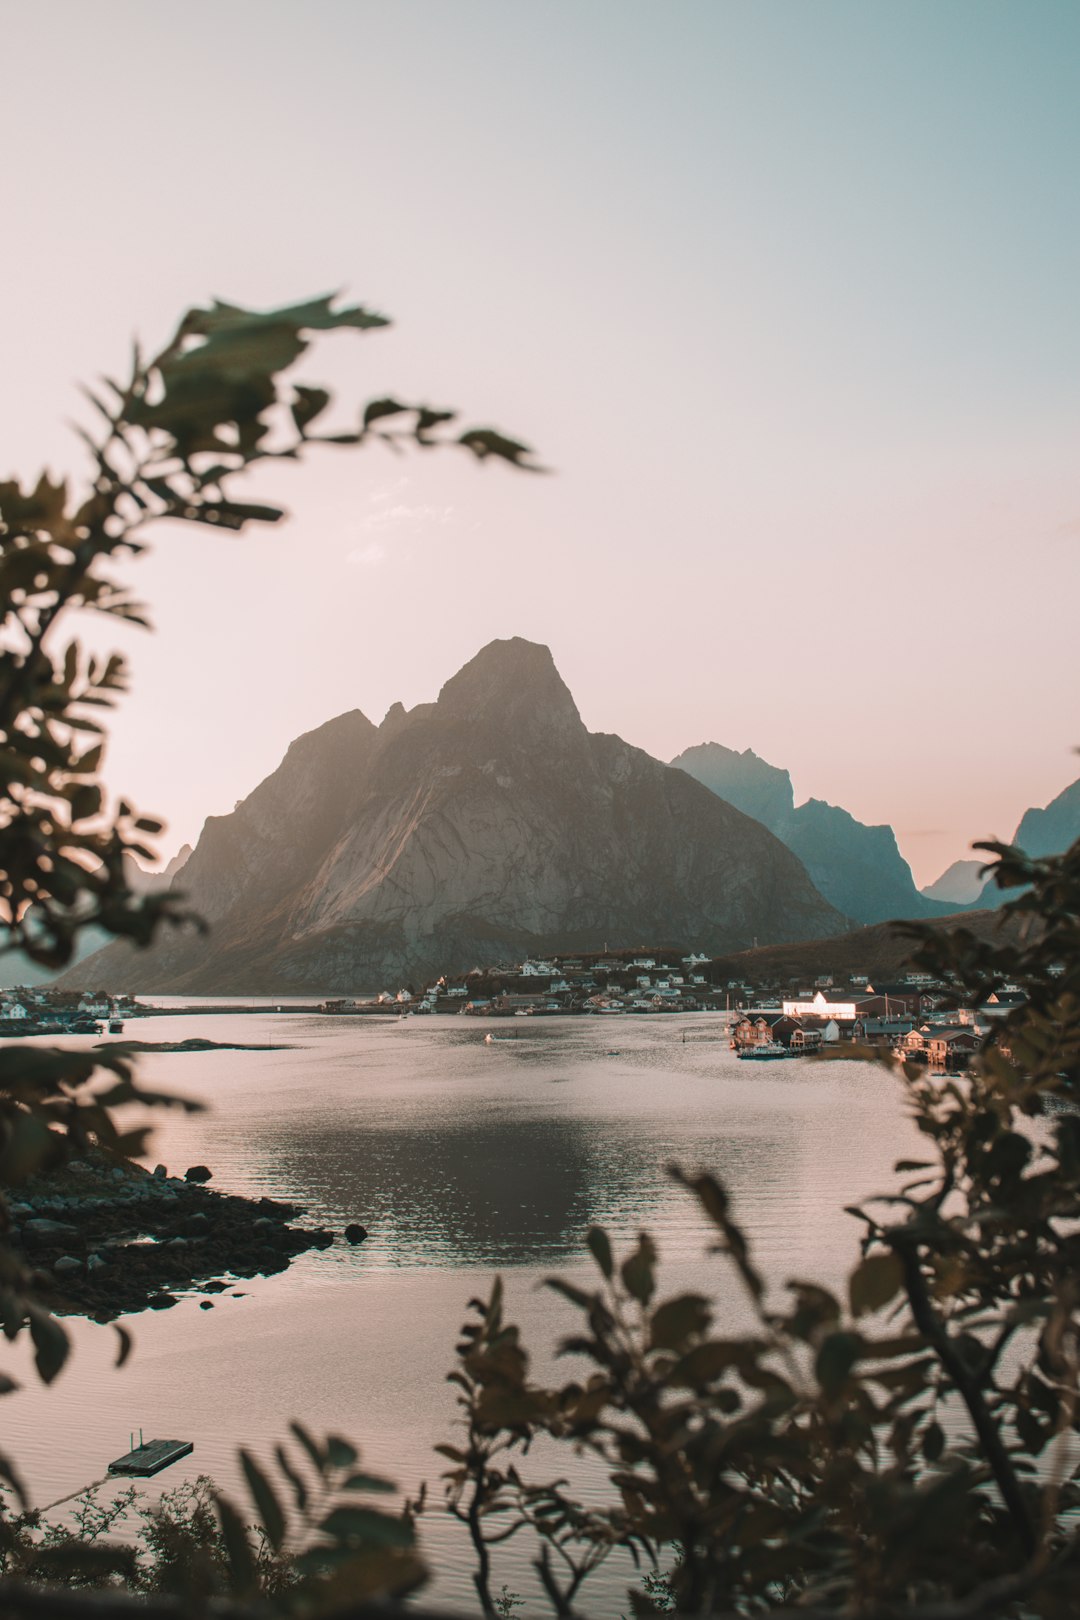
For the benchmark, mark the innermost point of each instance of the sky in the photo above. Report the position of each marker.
(784, 295)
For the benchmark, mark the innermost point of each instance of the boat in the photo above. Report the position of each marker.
(116, 1026)
(767, 1049)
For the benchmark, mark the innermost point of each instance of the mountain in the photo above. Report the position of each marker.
(1052, 830)
(482, 827)
(1049, 831)
(749, 783)
(960, 884)
(859, 869)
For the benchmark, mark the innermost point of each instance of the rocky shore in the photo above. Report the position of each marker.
(111, 1239)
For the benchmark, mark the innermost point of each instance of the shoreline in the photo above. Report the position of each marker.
(111, 1239)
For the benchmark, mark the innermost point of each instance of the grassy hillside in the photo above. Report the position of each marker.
(880, 951)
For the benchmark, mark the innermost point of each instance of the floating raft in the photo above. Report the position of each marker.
(152, 1457)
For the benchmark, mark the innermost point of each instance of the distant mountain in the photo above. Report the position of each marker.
(960, 884)
(749, 783)
(15, 969)
(1052, 830)
(483, 827)
(1049, 831)
(859, 869)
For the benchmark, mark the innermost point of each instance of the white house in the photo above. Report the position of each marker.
(819, 1007)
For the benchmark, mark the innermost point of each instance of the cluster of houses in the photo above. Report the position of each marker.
(620, 983)
(916, 1018)
(599, 985)
(43, 1011)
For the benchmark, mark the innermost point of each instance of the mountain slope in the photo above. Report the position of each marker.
(1048, 831)
(484, 826)
(960, 884)
(882, 952)
(859, 869)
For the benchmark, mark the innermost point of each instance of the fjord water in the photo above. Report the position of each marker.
(463, 1159)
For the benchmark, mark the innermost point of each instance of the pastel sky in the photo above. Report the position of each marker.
(786, 294)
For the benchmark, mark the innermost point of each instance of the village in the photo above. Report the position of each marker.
(45, 1011)
(917, 1016)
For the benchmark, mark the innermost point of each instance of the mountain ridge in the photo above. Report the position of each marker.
(858, 868)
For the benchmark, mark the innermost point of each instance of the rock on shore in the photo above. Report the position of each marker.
(112, 1240)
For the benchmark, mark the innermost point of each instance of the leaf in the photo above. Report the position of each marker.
(838, 1354)
(237, 1546)
(299, 1489)
(707, 1361)
(371, 1482)
(51, 1345)
(933, 1441)
(874, 1282)
(307, 404)
(637, 1270)
(677, 1320)
(265, 1499)
(600, 1247)
(378, 408)
(485, 442)
(311, 1446)
(9, 1472)
(426, 419)
(341, 1453)
(85, 801)
(349, 1525)
(576, 1296)
(231, 514)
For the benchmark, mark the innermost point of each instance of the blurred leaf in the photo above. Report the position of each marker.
(600, 1247)
(265, 1499)
(874, 1282)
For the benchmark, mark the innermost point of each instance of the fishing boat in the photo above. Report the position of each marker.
(764, 1052)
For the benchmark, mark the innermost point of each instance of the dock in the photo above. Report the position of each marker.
(152, 1457)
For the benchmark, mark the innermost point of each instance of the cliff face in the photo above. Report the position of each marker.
(484, 826)
(858, 868)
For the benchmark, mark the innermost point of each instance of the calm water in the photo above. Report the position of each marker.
(463, 1160)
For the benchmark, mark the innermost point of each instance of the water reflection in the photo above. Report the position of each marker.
(456, 1153)
(480, 1191)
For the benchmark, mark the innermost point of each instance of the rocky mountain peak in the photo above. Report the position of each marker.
(514, 685)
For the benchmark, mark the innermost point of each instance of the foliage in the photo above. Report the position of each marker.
(176, 436)
(193, 1544)
(909, 1446)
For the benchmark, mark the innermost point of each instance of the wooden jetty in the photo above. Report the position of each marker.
(151, 1457)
